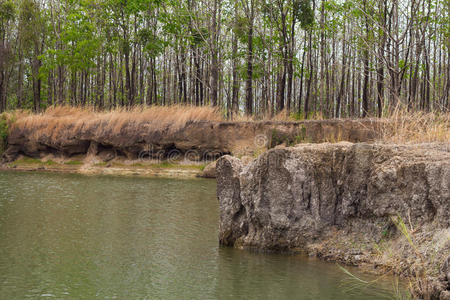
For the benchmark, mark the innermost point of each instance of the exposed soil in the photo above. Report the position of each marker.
(117, 167)
(196, 141)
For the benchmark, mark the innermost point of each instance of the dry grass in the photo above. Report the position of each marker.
(398, 126)
(416, 254)
(282, 116)
(420, 285)
(401, 126)
(67, 121)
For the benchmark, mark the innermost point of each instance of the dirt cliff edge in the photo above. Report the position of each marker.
(387, 206)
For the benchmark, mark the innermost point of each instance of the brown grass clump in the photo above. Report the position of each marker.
(68, 122)
(401, 126)
(283, 116)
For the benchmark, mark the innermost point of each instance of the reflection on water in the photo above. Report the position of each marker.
(70, 236)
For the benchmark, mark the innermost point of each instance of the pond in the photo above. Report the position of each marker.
(68, 236)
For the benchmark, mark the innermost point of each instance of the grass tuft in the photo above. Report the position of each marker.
(354, 283)
(73, 163)
(401, 126)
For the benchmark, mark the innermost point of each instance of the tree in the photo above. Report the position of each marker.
(32, 32)
(359, 58)
(7, 15)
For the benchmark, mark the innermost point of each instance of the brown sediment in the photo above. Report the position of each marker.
(95, 167)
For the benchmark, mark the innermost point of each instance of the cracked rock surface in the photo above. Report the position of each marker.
(337, 200)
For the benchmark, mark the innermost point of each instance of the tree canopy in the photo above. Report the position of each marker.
(327, 58)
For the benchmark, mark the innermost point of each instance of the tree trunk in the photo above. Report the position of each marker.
(249, 82)
(214, 56)
(235, 91)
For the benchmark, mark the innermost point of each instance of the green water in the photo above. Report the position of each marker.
(76, 237)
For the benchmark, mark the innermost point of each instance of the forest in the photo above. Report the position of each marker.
(308, 58)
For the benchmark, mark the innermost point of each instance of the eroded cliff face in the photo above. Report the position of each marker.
(196, 139)
(340, 201)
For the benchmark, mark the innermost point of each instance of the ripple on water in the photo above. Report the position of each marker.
(132, 238)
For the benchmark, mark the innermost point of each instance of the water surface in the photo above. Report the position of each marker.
(79, 237)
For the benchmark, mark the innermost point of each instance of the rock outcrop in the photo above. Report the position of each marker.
(209, 171)
(339, 201)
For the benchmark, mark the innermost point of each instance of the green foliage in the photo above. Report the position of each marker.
(31, 25)
(199, 36)
(7, 12)
(3, 132)
(80, 33)
(27, 161)
(303, 13)
(401, 226)
(153, 45)
(278, 138)
(73, 163)
(297, 116)
(141, 45)
(240, 29)
(170, 165)
(50, 162)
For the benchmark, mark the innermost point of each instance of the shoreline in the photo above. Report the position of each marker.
(115, 168)
(317, 251)
(340, 246)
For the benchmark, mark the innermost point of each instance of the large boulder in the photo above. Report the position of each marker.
(382, 205)
(290, 196)
(209, 171)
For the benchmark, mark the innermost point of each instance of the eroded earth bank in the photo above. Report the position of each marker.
(385, 207)
(158, 148)
(132, 141)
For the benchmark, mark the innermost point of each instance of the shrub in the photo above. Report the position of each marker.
(3, 132)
